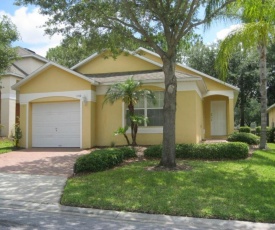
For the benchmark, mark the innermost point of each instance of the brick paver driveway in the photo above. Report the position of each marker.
(41, 161)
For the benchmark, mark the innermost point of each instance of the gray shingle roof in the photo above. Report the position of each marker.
(150, 75)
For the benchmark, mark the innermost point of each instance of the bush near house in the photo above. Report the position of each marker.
(103, 159)
(248, 138)
(271, 135)
(245, 129)
(215, 151)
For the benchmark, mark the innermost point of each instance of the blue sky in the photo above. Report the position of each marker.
(29, 22)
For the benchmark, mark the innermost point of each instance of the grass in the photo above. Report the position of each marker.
(239, 190)
(6, 145)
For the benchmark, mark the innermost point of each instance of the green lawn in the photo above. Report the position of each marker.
(242, 190)
(6, 145)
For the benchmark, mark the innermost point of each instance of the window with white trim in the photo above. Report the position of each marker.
(154, 112)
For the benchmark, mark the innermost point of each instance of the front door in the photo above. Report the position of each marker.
(218, 118)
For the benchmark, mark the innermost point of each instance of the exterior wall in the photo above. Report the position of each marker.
(8, 105)
(29, 64)
(121, 64)
(54, 80)
(271, 114)
(189, 120)
(45, 88)
(229, 114)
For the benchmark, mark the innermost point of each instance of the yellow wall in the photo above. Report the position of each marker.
(23, 114)
(54, 80)
(121, 64)
(271, 114)
(108, 120)
(189, 121)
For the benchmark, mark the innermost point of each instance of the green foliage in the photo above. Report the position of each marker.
(8, 34)
(215, 151)
(6, 145)
(202, 57)
(245, 129)
(103, 159)
(128, 152)
(248, 138)
(71, 51)
(271, 136)
(122, 131)
(17, 135)
(130, 92)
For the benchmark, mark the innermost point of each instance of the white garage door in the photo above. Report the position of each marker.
(56, 124)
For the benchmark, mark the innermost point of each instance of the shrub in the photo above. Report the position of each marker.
(248, 138)
(258, 130)
(153, 151)
(244, 129)
(98, 160)
(128, 152)
(215, 151)
(271, 135)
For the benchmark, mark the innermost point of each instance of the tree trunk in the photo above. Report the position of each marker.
(133, 125)
(263, 85)
(168, 158)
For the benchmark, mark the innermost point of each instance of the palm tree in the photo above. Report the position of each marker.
(257, 30)
(130, 92)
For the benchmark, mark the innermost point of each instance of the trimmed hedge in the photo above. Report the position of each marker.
(245, 129)
(248, 138)
(103, 159)
(215, 151)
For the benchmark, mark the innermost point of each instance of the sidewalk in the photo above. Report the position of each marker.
(42, 193)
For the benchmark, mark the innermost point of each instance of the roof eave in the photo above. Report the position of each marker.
(270, 107)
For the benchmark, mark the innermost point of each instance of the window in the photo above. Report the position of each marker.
(145, 107)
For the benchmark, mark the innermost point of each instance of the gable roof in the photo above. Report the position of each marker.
(191, 69)
(44, 68)
(15, 70)
(90, 58)
(24, 52)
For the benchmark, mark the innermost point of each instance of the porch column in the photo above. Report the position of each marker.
(230, 128)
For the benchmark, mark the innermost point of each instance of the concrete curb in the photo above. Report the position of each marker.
(181, 222)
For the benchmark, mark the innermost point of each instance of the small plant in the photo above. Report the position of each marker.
(248, 138)
(17, 135)
(245, 129)
(122, 131)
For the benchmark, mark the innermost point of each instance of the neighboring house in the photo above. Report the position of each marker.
(271, 116)
(61, 107)
(9, 103)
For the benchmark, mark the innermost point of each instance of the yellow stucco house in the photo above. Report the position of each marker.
(9, 103)
(271, 116)
(61, 107)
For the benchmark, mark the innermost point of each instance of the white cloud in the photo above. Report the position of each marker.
(29, 24)
(222, 34)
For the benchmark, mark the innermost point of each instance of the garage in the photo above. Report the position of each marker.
(56, 124)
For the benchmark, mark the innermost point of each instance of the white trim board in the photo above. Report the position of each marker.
(227, 93)
(88, 95)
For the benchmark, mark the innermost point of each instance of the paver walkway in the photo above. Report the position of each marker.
(41, 161)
